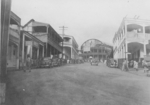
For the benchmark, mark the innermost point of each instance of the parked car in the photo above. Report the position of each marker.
(94, 61)
(112, 63)
(56, 62)
(46, 62)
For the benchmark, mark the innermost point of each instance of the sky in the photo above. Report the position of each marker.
(84, 19)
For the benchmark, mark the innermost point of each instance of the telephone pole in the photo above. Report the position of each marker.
(4, 31)
(5, 18)
(63, 30)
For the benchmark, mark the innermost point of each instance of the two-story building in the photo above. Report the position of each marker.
(46, 34)
(96, 49)
(13, 42)
(132, 40)
(70, 47)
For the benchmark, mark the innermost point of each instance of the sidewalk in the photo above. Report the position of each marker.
(140, 72)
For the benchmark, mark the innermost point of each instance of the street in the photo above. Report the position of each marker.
(78, 84)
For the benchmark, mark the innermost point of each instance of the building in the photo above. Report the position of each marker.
(70, 47)
(132, 40)
(30, 45)
(13, 49)
(46, 34)
(96, 49)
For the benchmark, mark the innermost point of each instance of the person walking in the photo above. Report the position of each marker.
(136, 65)
(125, 66)
(28, 63)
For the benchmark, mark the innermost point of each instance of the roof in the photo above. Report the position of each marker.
(36, 23)
(32, 36)
(69, 36)
(130, 19)
(16, 18)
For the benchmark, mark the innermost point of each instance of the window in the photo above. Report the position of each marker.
(40, 29)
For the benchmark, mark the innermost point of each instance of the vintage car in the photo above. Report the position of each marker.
(46, 62)
(56, 62)
(94, 61)
(112, 63)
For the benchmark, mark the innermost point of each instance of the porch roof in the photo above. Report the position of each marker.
(33, 37)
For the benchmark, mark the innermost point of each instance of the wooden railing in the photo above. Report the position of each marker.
(54, 44)
(147, 36)
(135, 36)
(14, 33)
(67, 43)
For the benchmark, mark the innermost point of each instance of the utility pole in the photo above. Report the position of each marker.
(4, 28)
(63, 30)
(5, 17)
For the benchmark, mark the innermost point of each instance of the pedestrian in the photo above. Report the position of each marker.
(28, 63)
(136, 65)
(143, 63)
(67, 61)
(105, 61)
(125, 65)
(115, 62)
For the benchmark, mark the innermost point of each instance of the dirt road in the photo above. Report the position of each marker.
(80, 84)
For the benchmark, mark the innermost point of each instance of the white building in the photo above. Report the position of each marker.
(70, 47)
(132, 40)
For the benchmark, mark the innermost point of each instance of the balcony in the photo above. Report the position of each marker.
(14, 33)
(67, 43)
(135, 37)
(147, 36)
(55, 44)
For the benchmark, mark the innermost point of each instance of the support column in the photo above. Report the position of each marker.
(125, 30)
(46, 49)
(54, 51)
(43, 52)
(144, 46)
(23, 45)
(38, 51)
(18, 57)
(144, 32)
(71, 52)
(31, 49)
(123, 51)
(50, 50)
(126, 50)
(120, 53)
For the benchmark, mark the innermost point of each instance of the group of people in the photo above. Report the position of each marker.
(132, 64)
